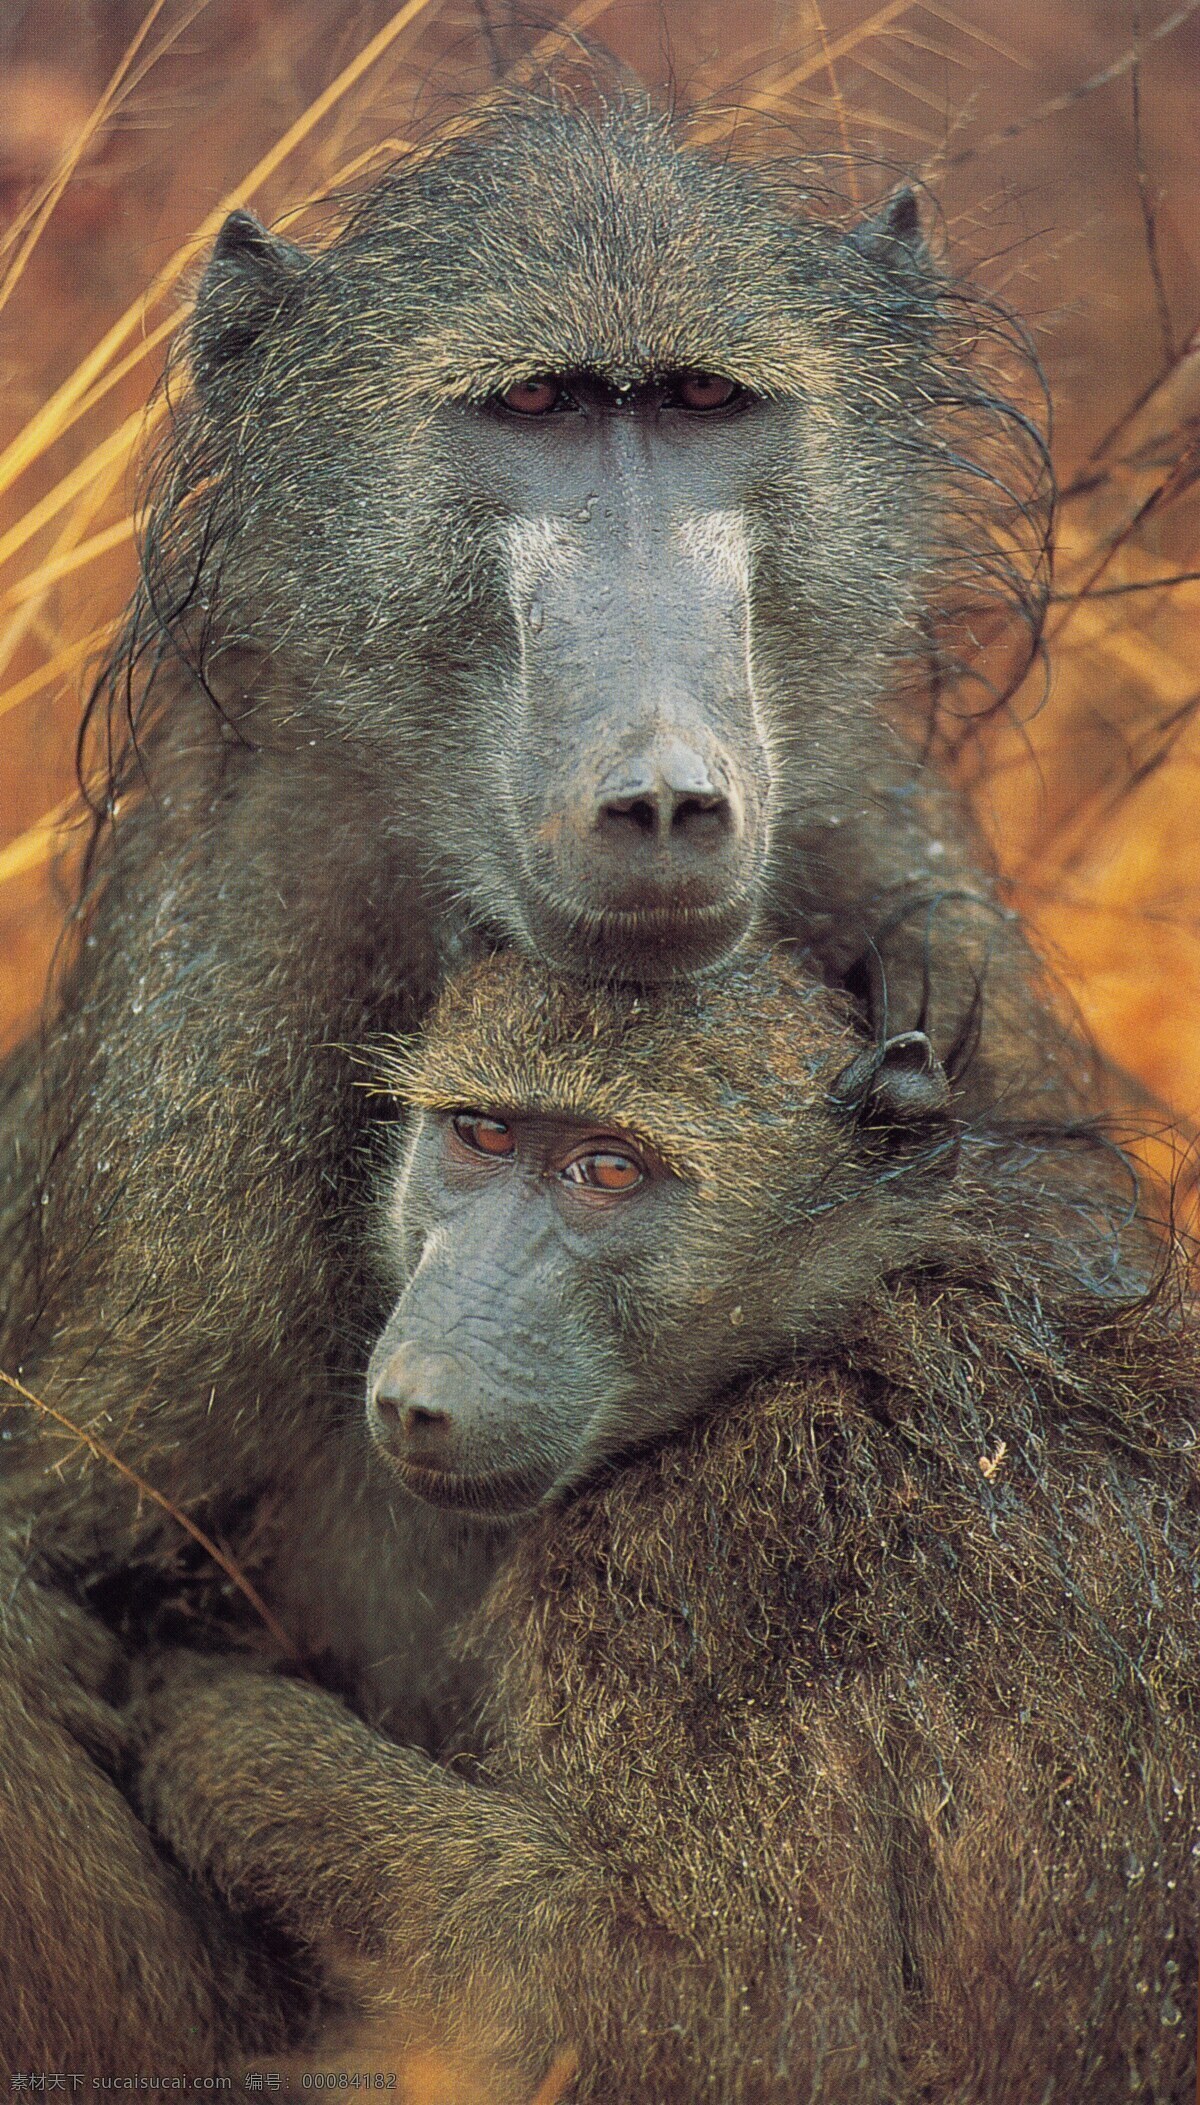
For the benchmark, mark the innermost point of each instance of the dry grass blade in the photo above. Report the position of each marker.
(839, 101)
(978, 35)
(34, 848)
(770, 100)
(37, 581)
(53, 673)
(28, 226)
(91, 500)
(65, 404)
(146, 1490)
(850, 42)
(113, 451)
(557, 2080)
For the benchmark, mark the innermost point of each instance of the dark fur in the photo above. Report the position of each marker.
(846, 1748)
(296, 730)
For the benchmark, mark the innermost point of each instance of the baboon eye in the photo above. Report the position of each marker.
(533, 398)
(706, 390)
(484, 1136)
(604, 1170)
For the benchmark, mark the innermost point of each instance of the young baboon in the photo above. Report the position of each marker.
(844, 1746)
(539, 562)
(371, 1612)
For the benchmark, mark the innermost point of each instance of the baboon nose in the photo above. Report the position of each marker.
(668, 799)
(407, 1412)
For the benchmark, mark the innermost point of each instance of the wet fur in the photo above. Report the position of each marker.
(846, 1746)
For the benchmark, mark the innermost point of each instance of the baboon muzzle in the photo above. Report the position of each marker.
(423, 1415)
(643, 783)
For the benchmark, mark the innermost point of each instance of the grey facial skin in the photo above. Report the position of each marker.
(633, 760)
(498, 1376)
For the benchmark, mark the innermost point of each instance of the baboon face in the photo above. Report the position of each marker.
(502, 1361)
(576, 1283)
(639, 784)
(585, 486)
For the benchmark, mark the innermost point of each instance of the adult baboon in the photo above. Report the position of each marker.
(539, 562)
(845, 1747)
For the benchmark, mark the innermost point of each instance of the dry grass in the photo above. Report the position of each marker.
(1061, 149)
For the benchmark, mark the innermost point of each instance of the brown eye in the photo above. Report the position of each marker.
(484, 1136)
(706, 391)
(533, 398)
(604, 1171)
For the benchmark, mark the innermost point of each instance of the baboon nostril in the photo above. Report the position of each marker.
(387, 1408)
(418, 1419)
(702, 815)
(405, 1402)
(640, 813)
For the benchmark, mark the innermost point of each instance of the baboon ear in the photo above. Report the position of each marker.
(898, 1092)
(894, 238)
(246, 281)
(909, 1084)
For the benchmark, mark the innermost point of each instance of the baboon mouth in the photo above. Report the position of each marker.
(505, 1492)
(644, 943)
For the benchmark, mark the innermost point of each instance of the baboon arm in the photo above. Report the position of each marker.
(410, 1887)
(436, 1908)
(497, 1921)
(277, 1795)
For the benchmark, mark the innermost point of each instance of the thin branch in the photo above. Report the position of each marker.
(1142, 584)
(1057, 104)
(1178, 479)
(1148, 200)
(1159, 385)
(205, 1542)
